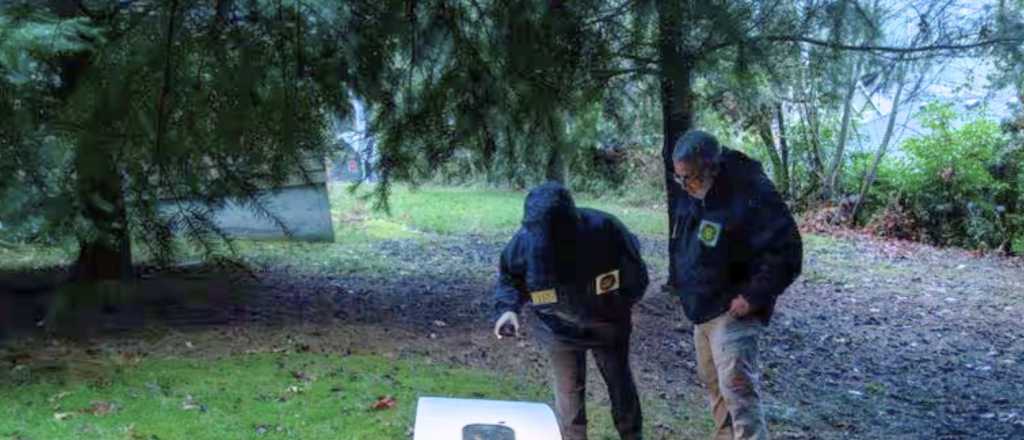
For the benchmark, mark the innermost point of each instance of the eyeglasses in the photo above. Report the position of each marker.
(685, 179)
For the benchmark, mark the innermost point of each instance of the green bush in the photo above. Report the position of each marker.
(885, 187)
(963, 184)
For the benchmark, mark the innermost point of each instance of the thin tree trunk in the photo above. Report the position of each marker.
(814, 137)
(555, 169)
(514, 178)
(763, 125)
(869, 178)
(783, 151)
(490, 148)
(833, 182)
(676, 102)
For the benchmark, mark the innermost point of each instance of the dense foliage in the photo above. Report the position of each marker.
(958, 185)
(111, 106)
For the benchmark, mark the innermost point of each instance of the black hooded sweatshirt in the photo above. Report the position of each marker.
(580, 269)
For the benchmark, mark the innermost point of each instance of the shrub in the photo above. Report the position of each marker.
(961, 185)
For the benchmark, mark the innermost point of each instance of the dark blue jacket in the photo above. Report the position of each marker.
(588, 257)
(740, 240)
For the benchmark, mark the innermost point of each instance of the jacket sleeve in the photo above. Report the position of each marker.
(775, 244)
(509, 293)
(634, 276)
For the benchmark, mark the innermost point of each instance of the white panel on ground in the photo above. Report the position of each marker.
(472, 419)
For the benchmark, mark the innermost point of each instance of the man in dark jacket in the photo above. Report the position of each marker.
(582, 272)
(735, 249)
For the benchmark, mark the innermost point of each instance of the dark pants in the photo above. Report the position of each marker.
(570, 369)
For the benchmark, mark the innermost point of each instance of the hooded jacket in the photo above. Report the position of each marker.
(739, 240)
(580, 269)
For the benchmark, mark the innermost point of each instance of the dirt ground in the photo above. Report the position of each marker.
(875, 340)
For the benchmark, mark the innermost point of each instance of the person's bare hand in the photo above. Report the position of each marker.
(739, 307)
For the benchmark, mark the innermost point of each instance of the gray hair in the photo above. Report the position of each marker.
(699, 148)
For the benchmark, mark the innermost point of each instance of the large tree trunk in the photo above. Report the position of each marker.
(676, 101)
(105, 254)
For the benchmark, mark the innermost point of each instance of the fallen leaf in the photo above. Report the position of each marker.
(384, 402)
(57, 397)
(130, 358)
(99, 408)
(190, 404)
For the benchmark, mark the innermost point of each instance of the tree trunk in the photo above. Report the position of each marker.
(812, 130)
(490, 148)
(514, 178)
(105, 254)
(555, 169)
(832, 185)
(676, 102)
(869, 178)
(763, 125)
(786, 185)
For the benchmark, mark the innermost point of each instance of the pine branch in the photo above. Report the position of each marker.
(869, 47)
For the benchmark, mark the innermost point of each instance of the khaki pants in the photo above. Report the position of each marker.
(727, 364)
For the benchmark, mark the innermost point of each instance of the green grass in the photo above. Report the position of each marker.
(244, 396)
(267, 395)
(458, 210)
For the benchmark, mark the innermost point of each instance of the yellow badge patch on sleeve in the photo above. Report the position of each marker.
(542, 297)
(607, 282)
(708, 233)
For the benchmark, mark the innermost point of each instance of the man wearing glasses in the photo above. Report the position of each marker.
(735, 248)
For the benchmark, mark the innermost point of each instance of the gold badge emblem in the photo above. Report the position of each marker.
(607, 282)
(708, 233)
(542, 297)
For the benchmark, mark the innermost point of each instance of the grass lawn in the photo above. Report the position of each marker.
(276, 394)
(272, 395)
(460, 210)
